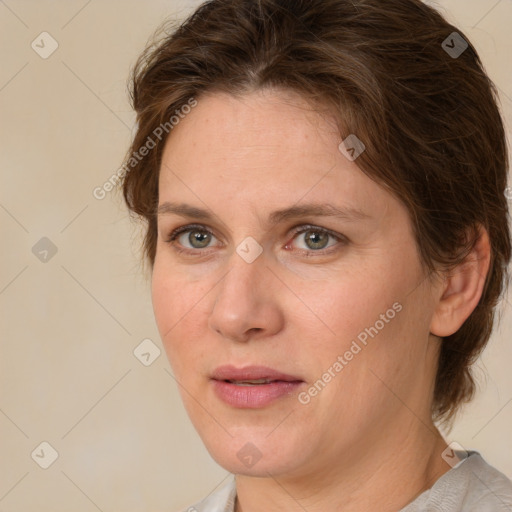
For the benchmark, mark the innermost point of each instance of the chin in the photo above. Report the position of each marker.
(254, 453)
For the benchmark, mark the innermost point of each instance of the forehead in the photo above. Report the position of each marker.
(270, 122)
(265, 147)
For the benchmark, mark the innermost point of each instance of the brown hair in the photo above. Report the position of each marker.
(428, 117)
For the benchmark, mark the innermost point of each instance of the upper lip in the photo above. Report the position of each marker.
(229, 372)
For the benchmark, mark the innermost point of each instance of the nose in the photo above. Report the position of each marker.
(247, 302)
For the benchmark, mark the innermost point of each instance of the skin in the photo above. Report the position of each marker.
(366, 441)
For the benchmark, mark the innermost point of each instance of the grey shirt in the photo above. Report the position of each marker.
(472, 485)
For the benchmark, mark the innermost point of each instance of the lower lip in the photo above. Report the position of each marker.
(253, 397)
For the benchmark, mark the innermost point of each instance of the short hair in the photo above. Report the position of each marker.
(396, 74)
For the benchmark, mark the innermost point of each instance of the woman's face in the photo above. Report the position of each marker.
(297, 269)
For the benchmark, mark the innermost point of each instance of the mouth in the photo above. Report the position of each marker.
(253, 387)
(254, 382)
(251, 375)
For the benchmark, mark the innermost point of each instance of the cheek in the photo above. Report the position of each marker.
(374, 319)
(169, 303)
(172, 296)
(354, 301)
(164, 294)
(179, 309)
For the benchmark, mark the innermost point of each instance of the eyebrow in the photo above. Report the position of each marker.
(293, 212)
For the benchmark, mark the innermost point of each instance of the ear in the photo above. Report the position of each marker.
(462, 289)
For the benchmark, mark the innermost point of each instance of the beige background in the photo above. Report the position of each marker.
(70, 325)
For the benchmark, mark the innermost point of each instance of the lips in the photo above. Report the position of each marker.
(252, 374)
(253, 386)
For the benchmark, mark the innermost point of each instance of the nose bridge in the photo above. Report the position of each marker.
(244, 300)
(245, 276)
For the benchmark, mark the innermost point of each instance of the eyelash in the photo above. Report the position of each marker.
(303, 229)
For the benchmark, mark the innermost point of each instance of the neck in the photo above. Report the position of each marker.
(385, 473)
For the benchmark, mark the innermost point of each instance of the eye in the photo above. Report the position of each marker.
(194, 237)
(316, 239)
(197, 236)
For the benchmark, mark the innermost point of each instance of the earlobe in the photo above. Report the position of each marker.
(462, 289)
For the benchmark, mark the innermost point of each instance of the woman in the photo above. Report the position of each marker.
(324, 188)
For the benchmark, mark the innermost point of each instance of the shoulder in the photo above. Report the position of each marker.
(472, 485)
(221, 500)
(489, 490)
